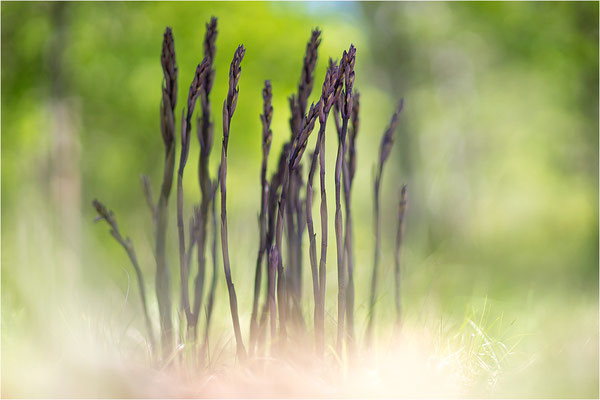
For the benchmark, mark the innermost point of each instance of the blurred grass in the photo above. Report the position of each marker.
(498, 143)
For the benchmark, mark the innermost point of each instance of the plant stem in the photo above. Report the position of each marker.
(328, 97)
(397, 260)
(205, 137)
(348, 71)
(228, 109)
(384, 152)
(349, 171)
(182, 253)
(320, 316)
(186, 127)
(193, 227)
(348, 257)
(310, 226)
(275, 255)
(163, 289)
(266, 118)
(300, 226)
(169, 99)
(295, 216)
(291, 244)
(109, 217)
(334, 87)
(269, 307)
(147, 188)
(338, 237)
(215, 273)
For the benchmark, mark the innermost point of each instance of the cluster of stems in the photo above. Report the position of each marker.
(199, 90)
(281, 205)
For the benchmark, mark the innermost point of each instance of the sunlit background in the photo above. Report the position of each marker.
(498, 143)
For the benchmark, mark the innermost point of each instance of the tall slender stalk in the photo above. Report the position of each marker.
(296, 152)
(348, 168)
(349, 171)
(193, 227)
(169, 100)
(205, 137)
(276, 261)
(273, 196)
(337, 104)
(186, 127)
(228, 109)
(306, 77)
(147, 188)
(213, 283)
(292, 241)
(397, 254)
(108, 216)
(310, 225)
(331, 90)
(295, 216)
(276, 287)
(300, 227)
(348, 70)
(384, 152)
(304, 91)
(267, 135)
(320, 317)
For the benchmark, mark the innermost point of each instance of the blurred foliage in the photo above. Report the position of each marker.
(498, 143)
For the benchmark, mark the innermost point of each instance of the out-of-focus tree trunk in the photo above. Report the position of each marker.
(64, 175)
